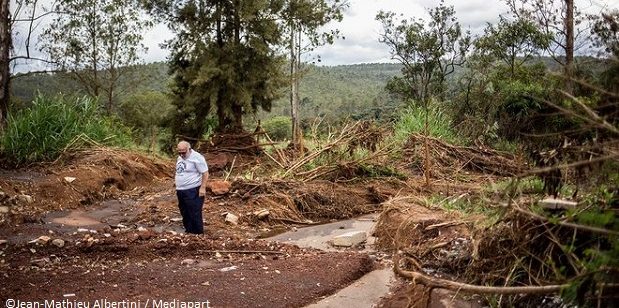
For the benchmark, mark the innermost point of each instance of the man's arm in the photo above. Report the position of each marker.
(202, 191)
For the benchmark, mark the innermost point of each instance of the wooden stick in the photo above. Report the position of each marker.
(476, 289)
(247, 251)
(567, 224)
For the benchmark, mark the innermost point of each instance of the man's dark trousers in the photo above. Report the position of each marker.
(190, 204)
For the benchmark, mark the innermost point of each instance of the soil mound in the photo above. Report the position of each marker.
(79, 179)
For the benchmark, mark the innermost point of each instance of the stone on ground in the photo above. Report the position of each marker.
(219, 187)
(349, 239)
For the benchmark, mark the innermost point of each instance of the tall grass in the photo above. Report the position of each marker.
(412, 120)
(51, 125)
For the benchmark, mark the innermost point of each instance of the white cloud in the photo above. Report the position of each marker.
(153, 40)
(362, 30)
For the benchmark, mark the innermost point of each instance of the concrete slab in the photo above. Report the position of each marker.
(320, 235)
(557, 204)
(365, 292)
(350, 239)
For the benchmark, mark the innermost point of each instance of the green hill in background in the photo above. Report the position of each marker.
(337, 92)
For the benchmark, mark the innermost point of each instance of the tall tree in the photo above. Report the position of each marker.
(5, 47)
(557, 19)
(304, 19)
(605, 32)
(24, 12)
(429, 52)
(97, 42)
(223, 59)
(512, 42)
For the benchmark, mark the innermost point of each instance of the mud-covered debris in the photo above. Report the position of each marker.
(262, 214)
(41, 240)
(4, 209)
(40, 262)
(188, 262)
(69, 179)
(58, 243)
(228, 269)
(24, 199)
(2, 242)
(232, 219)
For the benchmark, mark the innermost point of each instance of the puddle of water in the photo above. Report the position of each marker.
(110, 212)
(21, 176)
(73, 218)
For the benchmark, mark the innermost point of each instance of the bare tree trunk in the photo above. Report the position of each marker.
(569, 46)
(5, 46)
(294, 88)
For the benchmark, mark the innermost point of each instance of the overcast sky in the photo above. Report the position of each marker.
(361, 30)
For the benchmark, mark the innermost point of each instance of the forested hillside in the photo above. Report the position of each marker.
(346, 91)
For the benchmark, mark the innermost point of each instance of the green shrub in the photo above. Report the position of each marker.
(44, 130)
(279, 127)
(412, 120)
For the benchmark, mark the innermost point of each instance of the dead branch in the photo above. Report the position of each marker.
(570, 165)
(476, 158)
(566, 224)
(465, 287)
(595, 118)
(444, 224)
(249, 251)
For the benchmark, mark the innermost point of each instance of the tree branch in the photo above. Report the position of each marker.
(469, 288)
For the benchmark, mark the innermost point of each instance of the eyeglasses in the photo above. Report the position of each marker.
(182, 153)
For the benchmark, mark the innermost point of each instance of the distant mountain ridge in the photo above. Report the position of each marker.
(325, 90)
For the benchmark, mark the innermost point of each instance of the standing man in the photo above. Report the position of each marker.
(190, 180)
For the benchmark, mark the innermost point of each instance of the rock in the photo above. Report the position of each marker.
(219, 187)
(231, 218)
(83, 230)
(188, 262)
(58, 243)
(142, 229)
(557, 204)
(40, 262)
(145, 235)
(262, 214)
(4, 209)
(227, 269)
(24, 199)
(349, 239)
(176, 219)
(41, 240)
(218, 161)
(69, 179)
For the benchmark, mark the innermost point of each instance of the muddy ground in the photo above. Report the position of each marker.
(104, 224)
